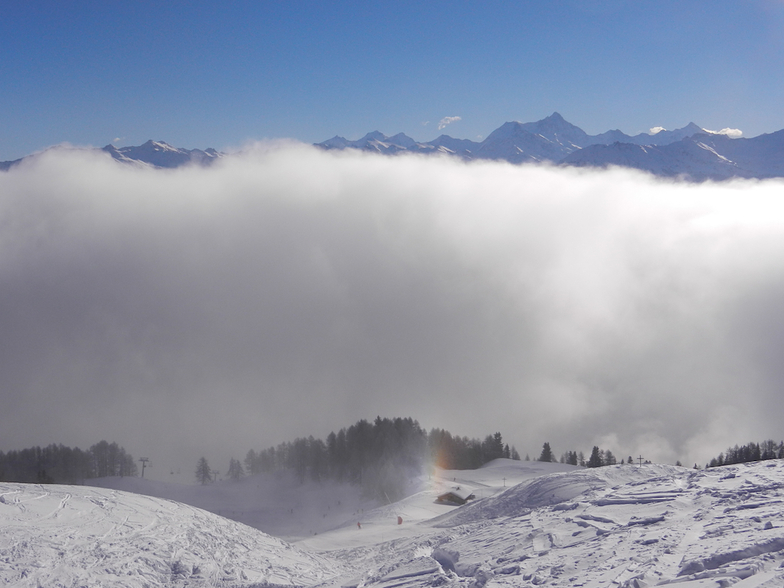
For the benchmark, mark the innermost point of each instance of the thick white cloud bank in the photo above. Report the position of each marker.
(289, 291)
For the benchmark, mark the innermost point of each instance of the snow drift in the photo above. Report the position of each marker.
(81, 536)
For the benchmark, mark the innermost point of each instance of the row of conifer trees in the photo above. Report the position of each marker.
(750, 452)
(58, 464)
(380, 455)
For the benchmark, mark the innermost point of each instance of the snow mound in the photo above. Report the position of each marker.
(557, 489)
(80, 536)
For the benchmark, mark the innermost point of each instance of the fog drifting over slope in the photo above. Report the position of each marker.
(289, 291)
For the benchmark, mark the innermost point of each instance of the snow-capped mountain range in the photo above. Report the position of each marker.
(160, 154)
(690, 152)
(157, 154)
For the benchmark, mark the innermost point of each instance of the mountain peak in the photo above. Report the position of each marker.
(161, 154)
(402, 139)
(159, 146)
(374, 136)
(554, 139)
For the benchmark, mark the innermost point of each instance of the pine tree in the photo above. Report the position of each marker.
(235, 469)
(547, 453)
(203, 472)
(252, 463)
(595, 461)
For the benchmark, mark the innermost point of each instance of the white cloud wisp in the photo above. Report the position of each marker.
(446, 121)
(731, 133)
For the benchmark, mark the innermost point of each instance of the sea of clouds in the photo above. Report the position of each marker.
(289, 291)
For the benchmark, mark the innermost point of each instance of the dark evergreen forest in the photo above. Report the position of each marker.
(58, 464)
(746, 453)
(380, 456)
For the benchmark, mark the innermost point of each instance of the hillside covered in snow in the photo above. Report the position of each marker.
(530, 524)
(83, 536)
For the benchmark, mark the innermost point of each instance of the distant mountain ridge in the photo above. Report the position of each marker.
(699, 157)
(549, 139)
(162, 155)
(691, 152)
(157, 154)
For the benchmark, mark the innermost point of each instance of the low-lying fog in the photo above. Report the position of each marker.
(288, 291)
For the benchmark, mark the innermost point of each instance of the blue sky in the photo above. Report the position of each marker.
(218, 74)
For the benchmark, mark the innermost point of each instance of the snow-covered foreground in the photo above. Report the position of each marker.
(553, 525)
(622, 526)
(81, 536)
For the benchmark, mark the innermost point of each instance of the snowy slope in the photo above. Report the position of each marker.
(624, 526)
(532, 524)
(276, 504)
(381, 524)
(81, 536)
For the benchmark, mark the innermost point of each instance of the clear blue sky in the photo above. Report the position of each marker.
(216, 74)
